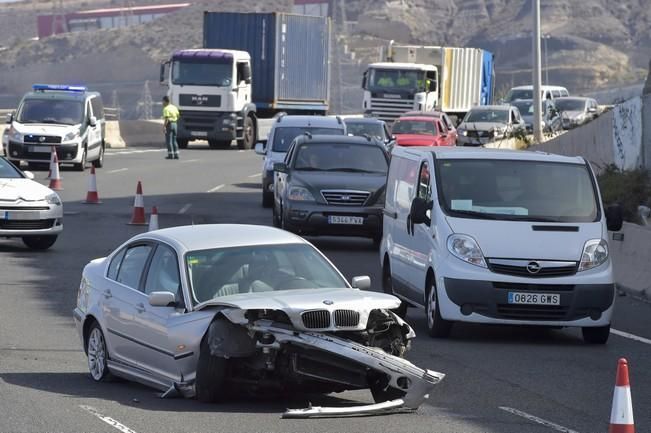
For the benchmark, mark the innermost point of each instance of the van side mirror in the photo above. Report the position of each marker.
(92, 121)
(162, 299)
(10, 118)
(361, 282)
(418, 212)
(614, 217)
(280, 167)
(261, 148)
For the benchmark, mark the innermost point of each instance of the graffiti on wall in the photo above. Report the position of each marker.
(627, 134)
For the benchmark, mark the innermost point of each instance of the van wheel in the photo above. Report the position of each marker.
(596, 335)
(387, 287)
(437, 327)
(99, 162)
(82, 165)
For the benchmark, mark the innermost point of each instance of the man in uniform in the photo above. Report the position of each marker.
(170, 117)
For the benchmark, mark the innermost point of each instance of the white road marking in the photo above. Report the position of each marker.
(107, 419)
(117, 170)
(217, 188)
(185, 161)
(185, 208)
(537, 420)
(630, 336)
(240, 151)
(254, 175)
(131, 152)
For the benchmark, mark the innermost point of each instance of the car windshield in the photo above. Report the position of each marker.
(202, 73)
(421, 127)
(374, 130)
(525, 107)
(362, 158)
(224, 272)
(284, 135)
(517, 190)
(57, 111)
(491, 116)
(515, 94)
(570, 104)
(395, 79)
(8, 171)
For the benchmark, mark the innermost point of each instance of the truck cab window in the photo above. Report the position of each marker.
(424, 188)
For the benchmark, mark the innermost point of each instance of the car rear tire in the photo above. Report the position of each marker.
(596, 335)
(183, 144)
(97, 355)
(211, 375)
(99, 162)
(267, 199)
(39, 242)
(437, 327)
(248, 134)
(387, 287)
(82, 165)
(275, 218)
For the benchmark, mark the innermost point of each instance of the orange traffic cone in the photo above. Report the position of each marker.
(55, 178)
(91, 196)
(153, 219)
(621, 415)
(138, 216)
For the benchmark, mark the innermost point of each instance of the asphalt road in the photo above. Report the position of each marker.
(499, 379)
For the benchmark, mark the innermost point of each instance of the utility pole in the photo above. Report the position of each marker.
(545, 37)
(146, 103)
(537, 103)
(116, 104)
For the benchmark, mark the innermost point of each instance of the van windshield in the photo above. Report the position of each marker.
(517, 190)
(54, 111)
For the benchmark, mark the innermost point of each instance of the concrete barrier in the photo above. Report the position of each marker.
(631, 260)
(113, 136)
(142, 133)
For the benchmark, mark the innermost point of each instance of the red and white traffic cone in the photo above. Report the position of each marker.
(153, 219)
(621, 415)
(91, 196)
(55, 178)
(138, 216)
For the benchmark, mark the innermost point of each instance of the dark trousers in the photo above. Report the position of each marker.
(170, 139)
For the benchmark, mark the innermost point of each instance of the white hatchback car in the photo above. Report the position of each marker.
(502, 237)
(28, 209)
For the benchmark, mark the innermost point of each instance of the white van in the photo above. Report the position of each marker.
(526, 92)
(501, 237)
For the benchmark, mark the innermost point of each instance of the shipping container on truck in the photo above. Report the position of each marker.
(426, 78)
(289, 57)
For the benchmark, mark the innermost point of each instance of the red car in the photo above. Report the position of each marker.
(422, 131)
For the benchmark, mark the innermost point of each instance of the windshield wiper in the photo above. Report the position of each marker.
(351, 170)
(307, 169)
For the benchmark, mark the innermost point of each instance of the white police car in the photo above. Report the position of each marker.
(68, 118)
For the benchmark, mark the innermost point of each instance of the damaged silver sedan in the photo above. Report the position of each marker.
(200, 311)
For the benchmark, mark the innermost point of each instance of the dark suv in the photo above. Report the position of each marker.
(331, 185)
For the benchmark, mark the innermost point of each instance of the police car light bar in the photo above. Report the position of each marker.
(59, 87)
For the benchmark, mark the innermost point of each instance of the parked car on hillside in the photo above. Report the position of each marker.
(421, 131)
(281, 135)
(551, 118)
(488, 123)
(332, 186)
(205, 309)
(576, 111)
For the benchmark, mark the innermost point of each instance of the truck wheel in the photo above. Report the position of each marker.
(183, 144)
(248, 134)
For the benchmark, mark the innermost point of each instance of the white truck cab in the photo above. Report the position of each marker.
(498, 237)
(69, 119)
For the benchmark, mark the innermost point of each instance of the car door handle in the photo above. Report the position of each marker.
(107, 294)
(140, 308)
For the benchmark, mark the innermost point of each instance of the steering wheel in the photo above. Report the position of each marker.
(291, 282)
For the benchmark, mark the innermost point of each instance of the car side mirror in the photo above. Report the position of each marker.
(614, 218)
(29, 175)
(10, 118)
(592, 110)
(162, 299)
(280, 167)
(361, 282)
(92, 121)
(418, 213)
(261, 148)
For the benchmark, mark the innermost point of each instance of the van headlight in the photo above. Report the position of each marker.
(15, 135)
(71, 136)
(53, 199)
(466, 248)
(299, 193)
(595, 253)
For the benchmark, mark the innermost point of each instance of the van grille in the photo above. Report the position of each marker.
(345, 198)
(46, 139)
(317, 319)
(346, 318)
(520, 268)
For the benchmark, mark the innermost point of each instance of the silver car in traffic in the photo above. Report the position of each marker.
(208, 310)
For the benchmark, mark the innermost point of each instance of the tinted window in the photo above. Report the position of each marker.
(517, 190)
(114, 266)
(284, 135)
(484, 115)
(570, 104)
(375, 130)
(202, 74)
(51, 111)
(361, 158)
(98, 107)
(132, 266)
(424, 182)
(519, 94)
(421, 127)
(8, 171)
(163, 273)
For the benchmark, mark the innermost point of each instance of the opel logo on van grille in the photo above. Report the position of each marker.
(533, 267)
(41, 139)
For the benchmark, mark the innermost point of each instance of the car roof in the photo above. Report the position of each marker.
(209, 236)
(491, 107)
(484, 153)
(338, 139)
(429, 119)
(317, 121)
(543, 87)
(423, 113)
(60, 95)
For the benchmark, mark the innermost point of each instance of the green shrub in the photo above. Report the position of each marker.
(629, 188)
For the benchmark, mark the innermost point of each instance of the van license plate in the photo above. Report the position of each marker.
(199, 133)
(534, 298)
(40, 149)
(351, 220)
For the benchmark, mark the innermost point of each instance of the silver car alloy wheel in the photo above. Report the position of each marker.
(96, 354)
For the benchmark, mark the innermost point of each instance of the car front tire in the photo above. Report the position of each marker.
(39, 242)
(99, 162)
(437, 327)
(211, 374)
(596, 335)
(267, 199)
(82, 165)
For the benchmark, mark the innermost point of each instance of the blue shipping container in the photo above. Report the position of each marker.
(289, 55)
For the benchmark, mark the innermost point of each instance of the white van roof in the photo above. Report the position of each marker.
(483, 153)
(530, 87)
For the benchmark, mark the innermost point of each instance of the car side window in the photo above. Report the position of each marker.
(133, 264)
(441, 127)
(447, 121)
(424, 188)
(163, 273)
(98, 107)
(556, 93)
(114, 266)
